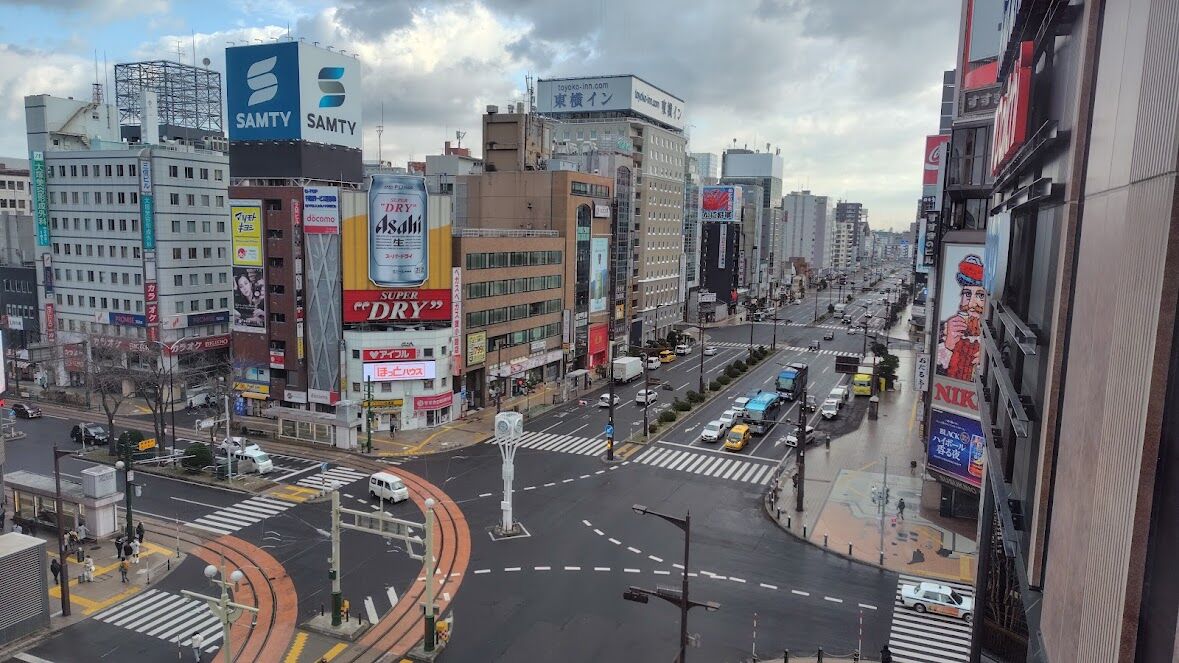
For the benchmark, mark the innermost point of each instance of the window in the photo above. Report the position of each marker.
(208, 278)
(386, 387)
(179, 306)
(134, 198)
(355, 385)
(192, 253)
(193, 279)
(134, 225)
(122, 198)
(191, 226)
(204, 173)
(221, 203)
(173, 171)
(204, 200)
(119, 169)
(73, 171)
(174, 198)
(178, 280)
(176, 254)
(223, 302)
(188, 172)
(222, 278)
(136, 252)
(278, 317)
(190, 199)
(194, 305)
(217, 174)
(209, 304)
(207, 251)
(123, 225)
(108, 170)
(206, 226)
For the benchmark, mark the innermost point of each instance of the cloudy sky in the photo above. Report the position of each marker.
(847, 89)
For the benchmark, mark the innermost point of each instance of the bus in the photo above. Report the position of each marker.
(761, 413)
(792, 380)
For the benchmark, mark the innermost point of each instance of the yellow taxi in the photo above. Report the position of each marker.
(667, 356)
(737, 438)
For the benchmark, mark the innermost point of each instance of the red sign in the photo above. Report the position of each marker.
(1011, 117)
(404, 305)
(75, 357)
(277, 359)
(50, 324)
(150, 291)
(153, 333)
(933, 159)
(433, 402)
(296, 212)
(199, 344)
(390, 354)
(123, 344)
(153, 313)
(599, 338)
(957, 396)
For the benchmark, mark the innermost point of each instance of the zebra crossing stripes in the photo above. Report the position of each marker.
(928, 638)
(331, 479)
(167, 616)
(243, 514)
(558, 443)
(734, 344)
(709, 465)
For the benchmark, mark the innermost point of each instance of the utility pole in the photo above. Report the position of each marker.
(610, 330)
(334, 571)
(368, 413)
(128, 485)
(800, 488)
(646, 402)
(429, 606)
(62, 554)
(883, 505)
(774, 338)
(701, 329)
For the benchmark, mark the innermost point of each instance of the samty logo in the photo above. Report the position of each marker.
(261, 79)
(331, 87)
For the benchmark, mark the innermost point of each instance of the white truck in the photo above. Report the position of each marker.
(627, 369)
(840, 308)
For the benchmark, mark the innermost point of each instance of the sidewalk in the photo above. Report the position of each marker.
(843, 483)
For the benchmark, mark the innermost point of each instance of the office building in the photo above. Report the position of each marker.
(806, 231)
(847, 229)
(764, 171)
(706, 166)
(15, 193)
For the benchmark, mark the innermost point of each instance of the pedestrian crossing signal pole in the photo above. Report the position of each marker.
(429, 608)
(800, 488)
(334, 572)
(368, 413)
(509, 427)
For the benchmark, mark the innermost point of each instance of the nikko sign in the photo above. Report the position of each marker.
(292, 91)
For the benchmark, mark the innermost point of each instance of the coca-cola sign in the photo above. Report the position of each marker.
(401, 305)
(390, 354)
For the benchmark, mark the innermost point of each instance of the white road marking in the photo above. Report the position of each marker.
(599, 532)
(484, 494)
(392, 594)
(630, 570)
(601, 568)
(740, 580)
(542, 568)
(550, 484)
(511, 568)
(768, 586)
(655, 559)
(528, 488)
(832, 599)
(370, 609)
(662, 573)
(795, 591)
(566, 480)
(586, 523)
(868, 606)
(615, 541)
(584, 476)
(634, 550)
(572, 568)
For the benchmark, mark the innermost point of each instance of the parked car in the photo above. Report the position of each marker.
(830, 408)
(646, 397)
(728, 418)
(90, 434)
(667, 356)
(792, 438)
(938, 599)
(737, 438)
(652, 362)
(840, 394)
(683, 349)
(830, 335)
(713, 431)
(604, 400)
(23, 411)
(709, 350)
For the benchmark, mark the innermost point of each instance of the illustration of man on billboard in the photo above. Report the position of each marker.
(959, 336)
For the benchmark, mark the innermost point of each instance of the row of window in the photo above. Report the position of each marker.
(517, 312)
(83, 197)
(19, 311)
(174, 171)
(69, 324)
(117, 170)
(116, 304)
(512, 286)
(83, 224)
(11, 204)
(591, 190)
(387, 387)
(206, 252)
(18, 285)
(76, 250)
(523, 336)
(191, 226)
(194, 278)
(87, 276)
(13, 185)
(512, 259)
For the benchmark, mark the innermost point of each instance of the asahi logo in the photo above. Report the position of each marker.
(407, 226)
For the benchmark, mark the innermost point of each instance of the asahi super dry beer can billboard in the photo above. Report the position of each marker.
(398, 232)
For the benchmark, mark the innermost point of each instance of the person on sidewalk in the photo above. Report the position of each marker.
(392, 429)
(135, 545)
(88, 569)
(123, 567)
(127, 550)
(197, 642)
(901, 508)
(119, 547)
(55, 569)
(139, 532)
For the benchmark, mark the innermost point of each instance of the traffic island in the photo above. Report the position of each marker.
(347, 629)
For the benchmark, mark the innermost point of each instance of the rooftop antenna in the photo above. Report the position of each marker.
(458, 136)
(531, 93)
(380, 130)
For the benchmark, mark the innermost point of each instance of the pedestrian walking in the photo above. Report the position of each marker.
(123, 570)
(135, 550)
(345, 607)
(119, 546)
(392, 428)
(197, 642)
(901, 508)
(55, 568)
(139, 532)
(88, 569)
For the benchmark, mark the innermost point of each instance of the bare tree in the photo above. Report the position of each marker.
(151, 384)
(108, 382)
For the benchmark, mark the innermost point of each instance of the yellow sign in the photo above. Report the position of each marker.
(476, 348)
(246, 217)
(247, 387)
(395, 402)
(149, 443)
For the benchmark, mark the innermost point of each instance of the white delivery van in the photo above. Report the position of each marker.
(252, 459)
(386, 486)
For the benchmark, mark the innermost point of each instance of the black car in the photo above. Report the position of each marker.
(814, 347)
(829, 336)
(22, 411)
(89, 433)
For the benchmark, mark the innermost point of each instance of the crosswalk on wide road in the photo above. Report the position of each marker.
(569, 444)
(715, 465)
(230, 519)
(167, 616)
(928, 638)
(331, 479)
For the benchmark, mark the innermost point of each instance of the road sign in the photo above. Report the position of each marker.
(149, 443)
(609, 430)
(847, 364)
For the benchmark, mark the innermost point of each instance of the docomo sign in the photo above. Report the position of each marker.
(396, 305)
(389, 354)
(1011, 117)
(393, 371)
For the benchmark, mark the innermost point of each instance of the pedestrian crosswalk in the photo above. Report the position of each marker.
(331, 479)
(734, 344)
(928, 638)
(569, 444)
(169, 617)
(230, 519)
(715, 465)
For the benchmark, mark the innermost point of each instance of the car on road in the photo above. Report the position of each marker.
(652, 362)
(829, 336)
(739, 404)
(728, 417)
(830, 408)
(709, 350)
(387, 486)
(853, 330)
(667, 356)
(846, 320)
(938, 599)
(683, 349)
(814, 346)
(646, 397)
(23, 411)
(792, 438)
(840, 394)
(713, 431)
(604, 400)
(737, 438)
(89, 433)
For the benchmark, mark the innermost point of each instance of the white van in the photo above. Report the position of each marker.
(252, 459)
(386, 486)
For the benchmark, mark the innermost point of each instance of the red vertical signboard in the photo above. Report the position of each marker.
(1011, 117)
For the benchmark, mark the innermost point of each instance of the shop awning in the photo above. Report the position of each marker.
(257, 397)
(574, 374)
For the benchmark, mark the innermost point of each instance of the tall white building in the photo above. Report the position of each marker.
(706, 166)
(807, 233)
(15, 194)
(137, 239)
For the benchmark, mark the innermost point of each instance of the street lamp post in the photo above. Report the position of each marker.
(128, 486)
(774, 338)
(368, 415)
(701, 330)
(800, 487)
(62, 555)
(679, 599)
(223, 606)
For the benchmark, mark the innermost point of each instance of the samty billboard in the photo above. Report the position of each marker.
(395, 252)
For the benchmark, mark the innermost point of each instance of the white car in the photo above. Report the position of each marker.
(938, 599)
(714, 431)
(840, 394)
(830, 408)
(728, 418)
(792, 438)
(646, 397)
(604, 400)
(683, 349)
(739, 404)
(709, 350)
(653, 362)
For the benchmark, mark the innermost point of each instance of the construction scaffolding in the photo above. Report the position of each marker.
(189, 97)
